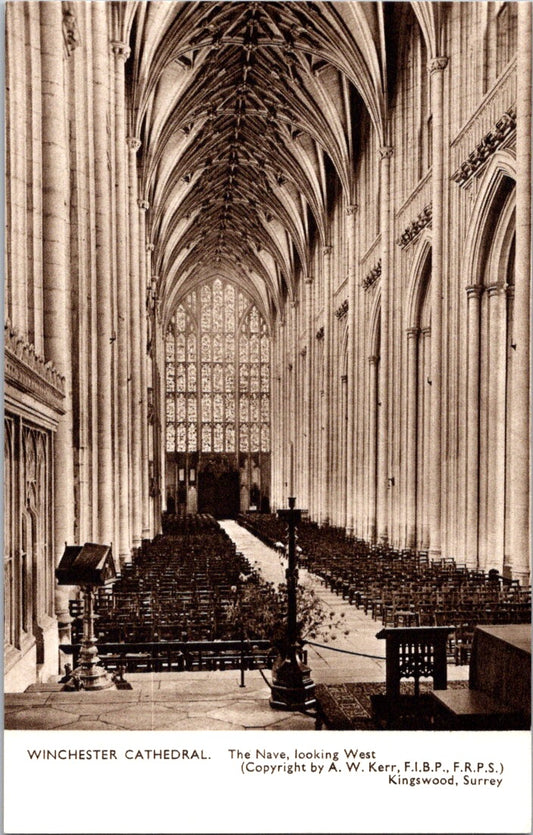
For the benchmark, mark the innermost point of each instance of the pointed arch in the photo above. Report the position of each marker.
(418, 336)
(489, 273)
(501, 167)
(217, 397)
(417, 276)
(373, 388)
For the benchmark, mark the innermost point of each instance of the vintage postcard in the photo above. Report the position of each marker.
(267, 272)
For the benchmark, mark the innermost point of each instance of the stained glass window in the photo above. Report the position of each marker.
(180, 380)
(171, 411)
(218, 443)
(180, 411)
(217, 356)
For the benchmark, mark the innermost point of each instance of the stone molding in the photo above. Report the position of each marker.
(437, 64)
(133, 144)
(342, 310)
(422, 220)
(121, 50)
(71, 33)
(372, 276)
(494, 139)
(30, 373)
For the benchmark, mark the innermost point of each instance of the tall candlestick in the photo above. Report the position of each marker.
(291, 472)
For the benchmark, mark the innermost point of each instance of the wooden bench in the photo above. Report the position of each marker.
(473, 710)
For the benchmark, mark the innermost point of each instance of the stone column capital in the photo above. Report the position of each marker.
(437, 64)
(412, 333)
(373, 359)
(143, 205)
(120, 50)
(308, 279)
(352, 209)
(497, 289)
(150, 247)
(474, 290)
(386, 151)
(327, 250)
(133, 143)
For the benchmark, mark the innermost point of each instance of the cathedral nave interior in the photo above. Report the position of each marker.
(260, 250)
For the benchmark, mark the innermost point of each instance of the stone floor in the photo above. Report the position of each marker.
(211, 700)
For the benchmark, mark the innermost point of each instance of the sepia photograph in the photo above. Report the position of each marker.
(267, 315)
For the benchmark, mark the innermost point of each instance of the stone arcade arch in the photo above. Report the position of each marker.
(373, 417)
(490, 269)
(418, 399)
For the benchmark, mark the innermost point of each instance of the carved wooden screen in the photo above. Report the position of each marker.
(217, 374)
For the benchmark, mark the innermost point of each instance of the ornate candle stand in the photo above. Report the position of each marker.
(292, 686)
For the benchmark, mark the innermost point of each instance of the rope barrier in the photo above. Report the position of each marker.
(347, 651)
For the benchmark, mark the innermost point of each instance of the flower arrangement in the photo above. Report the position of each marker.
(259, 611)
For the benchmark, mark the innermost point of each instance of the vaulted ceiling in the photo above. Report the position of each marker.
(247, 112)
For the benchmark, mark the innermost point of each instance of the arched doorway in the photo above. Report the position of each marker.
(218, 488)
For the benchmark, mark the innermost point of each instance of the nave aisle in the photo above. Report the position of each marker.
(328, 666)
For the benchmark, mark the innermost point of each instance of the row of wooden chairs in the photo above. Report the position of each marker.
(179, 588)
(403, 587)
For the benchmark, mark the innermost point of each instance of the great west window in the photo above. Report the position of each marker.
(217, 374)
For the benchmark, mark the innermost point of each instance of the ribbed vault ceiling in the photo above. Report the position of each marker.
(245, 110)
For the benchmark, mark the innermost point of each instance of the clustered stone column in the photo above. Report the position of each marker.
(121, 52)
(325, 412)
(519, 476)
(137, 317)
(413, 335)
(103, 219)
(146, 366)
(383, 394)
(436, 69)
(351, 393)
(56, 276)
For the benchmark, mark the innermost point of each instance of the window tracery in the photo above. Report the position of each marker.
(217, 353)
